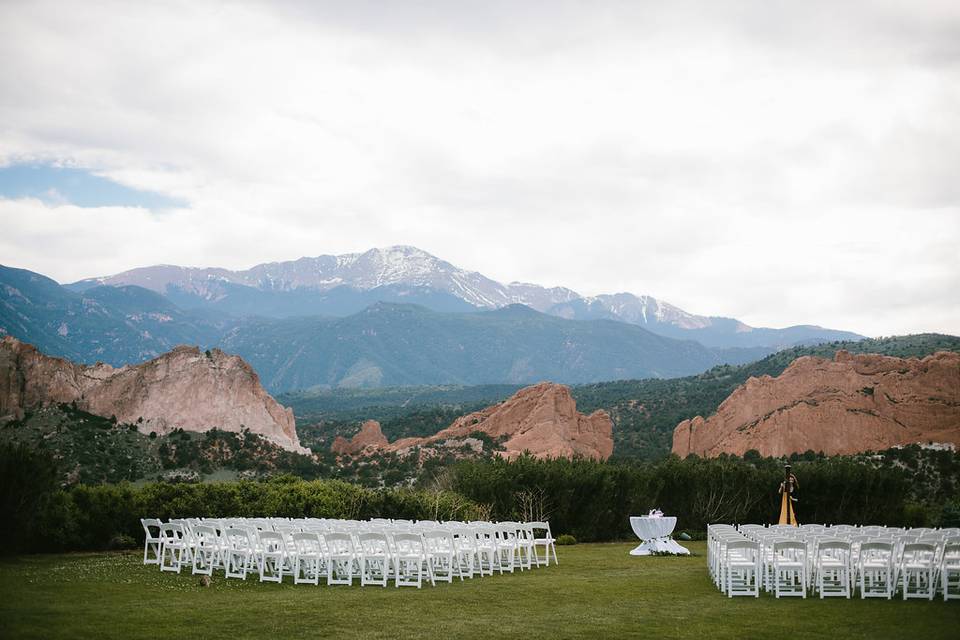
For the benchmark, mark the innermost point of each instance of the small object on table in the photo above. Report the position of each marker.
(654, 532)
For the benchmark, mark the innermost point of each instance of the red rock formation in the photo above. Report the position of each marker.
(184, 388)
(541, 419)
(850, 404)
(369, 439)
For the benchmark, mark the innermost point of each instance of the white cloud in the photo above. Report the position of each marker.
(776, 164)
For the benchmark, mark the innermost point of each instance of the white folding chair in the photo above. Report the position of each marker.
(917, 570)
(789, 568)
(206, 553)
(410, 560)
(525, 551)
(833, 568)
(542, 537)
(341, 558)
(440, 551)
(151, 541)
(172, 547)
(741, 567)
(950, 570)
(307, 558)
(374, 559)
(875, 569)
(465, 550)
(238, 552)
(272, 556)
(507, 546)
(488, 555)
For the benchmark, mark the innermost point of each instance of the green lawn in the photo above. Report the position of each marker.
(597, 591)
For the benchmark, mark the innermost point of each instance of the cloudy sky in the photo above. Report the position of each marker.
(778, 162)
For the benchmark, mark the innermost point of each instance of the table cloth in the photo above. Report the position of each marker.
(654, 533)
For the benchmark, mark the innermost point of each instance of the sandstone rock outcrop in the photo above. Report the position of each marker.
(184, 388)
(370, 436)
(542, 419)
(850, 404)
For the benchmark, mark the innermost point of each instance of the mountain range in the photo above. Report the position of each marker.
(340, 285)
(395, 316)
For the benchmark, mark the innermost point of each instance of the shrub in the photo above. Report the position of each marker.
(950, 514)
(121, 541)
(566, 539)
(594, 500)
(28, 481)
(87, 517)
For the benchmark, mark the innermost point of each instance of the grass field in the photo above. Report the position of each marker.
(598, 591)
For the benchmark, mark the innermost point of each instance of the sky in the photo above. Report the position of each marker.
(777, 162)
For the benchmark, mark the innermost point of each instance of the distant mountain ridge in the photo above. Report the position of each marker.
(397, 265)
(396, 345)
(118, 325)
(344, 284)
(383, 344)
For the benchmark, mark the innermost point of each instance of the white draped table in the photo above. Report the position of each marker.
(654, 532)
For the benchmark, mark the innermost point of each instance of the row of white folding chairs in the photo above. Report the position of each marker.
(518, 543)
(860, 556)
(834, 562)
(338, 551)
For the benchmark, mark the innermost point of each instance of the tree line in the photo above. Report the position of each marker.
(588, 499)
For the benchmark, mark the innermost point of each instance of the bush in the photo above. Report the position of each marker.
(28, 481)
(88, 517)
(594, 500)
(950, 514)
(121, 541)
(566, 539)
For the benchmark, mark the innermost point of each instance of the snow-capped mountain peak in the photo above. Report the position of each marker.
(406, 272)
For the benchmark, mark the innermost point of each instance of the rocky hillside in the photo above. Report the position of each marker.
(184, 389)
(644, 412)
(846, 405)
(542, 420)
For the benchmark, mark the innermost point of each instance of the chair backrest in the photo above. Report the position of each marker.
(206, 535)
(438, 540)
(830, 544)
(238, 538)
(734, 547)
(148, 525)
(272, 541)
(486, 534)
(876, 546)
(507, 531)
(306, 542)
(408, 544)
(919, 552)
(789, 545)
(951, 552)
(339, 543)
(171, 531)
(374, 543)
